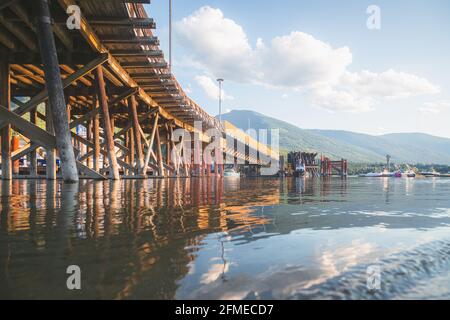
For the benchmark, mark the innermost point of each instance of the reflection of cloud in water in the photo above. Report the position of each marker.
(214, 273)
(281, 282)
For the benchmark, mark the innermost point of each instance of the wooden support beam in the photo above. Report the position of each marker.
(19, 33)
(132, 104)
(32, 157)
(142, 23)
(55, 88)
(5, 100)
(144, 65)
(130, 146)
(43, 95)
(150, 145)
(101, 92)
(159, 153)
(118, 39)
(137, 53)
(26, 128)
(89, 172)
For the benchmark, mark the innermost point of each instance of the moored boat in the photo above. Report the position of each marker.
(231, 173)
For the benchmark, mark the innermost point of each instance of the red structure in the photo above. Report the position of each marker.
(327, 167)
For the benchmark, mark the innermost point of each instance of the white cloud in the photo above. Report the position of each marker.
(434, 108)
(218, 44)
(338, 100)
(211, 89)
(298, 61)
(389, 84)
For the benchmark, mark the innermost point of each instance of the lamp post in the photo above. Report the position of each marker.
(170, 36)
(220, 81)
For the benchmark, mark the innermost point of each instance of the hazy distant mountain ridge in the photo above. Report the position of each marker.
(357, 147)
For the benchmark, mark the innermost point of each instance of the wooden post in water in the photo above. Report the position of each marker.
(96, 137)
(55, 91)
(50, 159)
(159, 154)
(131, 148)
(15, 145)
(32, 156)
(5, 101)
(109, 139)
(132, 105)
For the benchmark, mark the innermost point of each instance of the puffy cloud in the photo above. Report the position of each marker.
(298, 61)
(434, 108)
(338, 100)
(388, 84)
(218, 44)
(211, 89)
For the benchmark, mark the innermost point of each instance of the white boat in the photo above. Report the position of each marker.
(231, 173)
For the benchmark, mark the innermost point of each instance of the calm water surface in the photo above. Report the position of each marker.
(226, 239)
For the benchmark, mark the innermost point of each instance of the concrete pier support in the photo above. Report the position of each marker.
(55, 91)
(50, 159)
(32, 156)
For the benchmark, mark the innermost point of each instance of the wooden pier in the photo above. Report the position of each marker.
(98, 101)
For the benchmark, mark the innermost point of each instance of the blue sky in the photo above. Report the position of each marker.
(315, 63)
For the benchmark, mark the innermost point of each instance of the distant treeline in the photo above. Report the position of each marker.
(362, 168)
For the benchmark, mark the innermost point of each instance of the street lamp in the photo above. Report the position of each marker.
(170, 36)
(220, 81)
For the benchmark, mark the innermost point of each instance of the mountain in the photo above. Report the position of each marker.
(403, 147)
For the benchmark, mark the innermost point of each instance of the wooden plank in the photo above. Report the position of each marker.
(122, 21)
(118, 39)
(137, 53)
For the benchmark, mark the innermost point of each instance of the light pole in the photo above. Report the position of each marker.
(170, 36)
(220, 81)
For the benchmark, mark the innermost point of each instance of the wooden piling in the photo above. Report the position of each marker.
(96, 137)
(159, 154)
(55, 91)
(5, 100)
(132, 105)
(32, 156)
(109, 140)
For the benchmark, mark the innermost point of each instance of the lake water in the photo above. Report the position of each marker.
(227, 239)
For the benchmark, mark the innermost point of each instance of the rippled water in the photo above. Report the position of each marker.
(226, 239)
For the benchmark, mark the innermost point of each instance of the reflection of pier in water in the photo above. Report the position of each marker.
(135, 229)
(138, 238)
